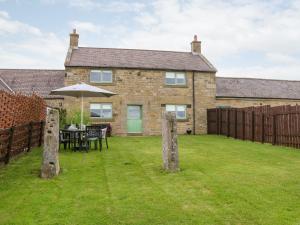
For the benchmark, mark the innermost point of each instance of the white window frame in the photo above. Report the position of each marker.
(176, 110)
(101, 104)
(101, 81)
(176, 75)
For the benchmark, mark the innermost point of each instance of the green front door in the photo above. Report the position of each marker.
(134, 119)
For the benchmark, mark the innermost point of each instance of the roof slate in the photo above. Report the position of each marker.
(28, 81)
(257, 88)
(139, 59)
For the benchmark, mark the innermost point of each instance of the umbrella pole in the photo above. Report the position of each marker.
(81, 119)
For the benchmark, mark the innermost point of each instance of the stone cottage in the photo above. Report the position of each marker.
(147, 82)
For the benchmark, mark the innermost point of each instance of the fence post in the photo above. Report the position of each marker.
(221, 125)
(263, 128)
(243, 123)
(253, 125)
(10, 141)
(41, 133)
(274, 139)
(228, 122)
(235, 123)
(217, 122)
(29, 136)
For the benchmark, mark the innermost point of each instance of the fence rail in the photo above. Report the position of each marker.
(278, 125)
(19, 139)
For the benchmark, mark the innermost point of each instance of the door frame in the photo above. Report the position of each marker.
(142, 119)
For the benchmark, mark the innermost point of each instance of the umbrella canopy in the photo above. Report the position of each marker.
(82, 90)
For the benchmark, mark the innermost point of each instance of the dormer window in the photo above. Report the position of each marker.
(175, 78)
(101, 76)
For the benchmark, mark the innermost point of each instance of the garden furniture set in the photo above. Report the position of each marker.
(82, 139)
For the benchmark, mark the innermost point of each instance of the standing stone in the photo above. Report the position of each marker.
(169, 142)
(50, 164)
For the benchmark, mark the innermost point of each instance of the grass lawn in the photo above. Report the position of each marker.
(222, 181)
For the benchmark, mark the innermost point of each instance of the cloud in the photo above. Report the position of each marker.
(86, 26)
(226, 29)
(110, 6)
(8, 26)
(26, 46)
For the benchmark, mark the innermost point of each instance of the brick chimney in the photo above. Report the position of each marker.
(74, 39)
(196, 46)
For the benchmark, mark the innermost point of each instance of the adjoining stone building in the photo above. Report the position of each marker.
(245, 92)
(29, 81)
(147, 82)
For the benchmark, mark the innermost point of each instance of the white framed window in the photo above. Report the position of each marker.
(180, 110)
(101, 76)
(175, 78)
(101, 110)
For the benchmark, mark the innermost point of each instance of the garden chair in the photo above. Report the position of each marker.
(64, 139)
(103, 137)
(93, 134)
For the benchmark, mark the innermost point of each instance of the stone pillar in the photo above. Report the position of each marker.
(169, 142)
(50, 165)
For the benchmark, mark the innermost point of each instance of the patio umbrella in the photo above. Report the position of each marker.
(82, 90)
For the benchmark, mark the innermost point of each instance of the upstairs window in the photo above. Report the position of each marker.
(180, 111)
(101, 76)
(101, 110)
(175, 78)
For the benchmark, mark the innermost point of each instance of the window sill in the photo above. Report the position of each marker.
(175, 86)
(102, 84)
(182, 120)
(102, 119)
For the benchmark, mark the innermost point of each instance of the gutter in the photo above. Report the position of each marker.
(194, 109)
(254, 98)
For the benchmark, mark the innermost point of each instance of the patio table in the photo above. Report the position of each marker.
(75, 137)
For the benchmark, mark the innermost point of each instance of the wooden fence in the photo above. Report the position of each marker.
(16, 109)
(278, 125)
(19, 139)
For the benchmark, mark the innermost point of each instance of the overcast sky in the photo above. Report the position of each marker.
(243, 38)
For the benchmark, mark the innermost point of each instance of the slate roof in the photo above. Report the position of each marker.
(138, 59)
(257, 88)
(28, 81)
(3, 86)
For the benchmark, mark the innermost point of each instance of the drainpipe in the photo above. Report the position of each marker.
(194, 110)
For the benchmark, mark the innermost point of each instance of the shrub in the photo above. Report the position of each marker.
(75, 118)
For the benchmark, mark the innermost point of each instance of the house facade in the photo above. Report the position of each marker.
(147, 83)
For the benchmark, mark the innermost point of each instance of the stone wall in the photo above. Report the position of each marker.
(245, 102)
(147, 88)
(205, 92)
